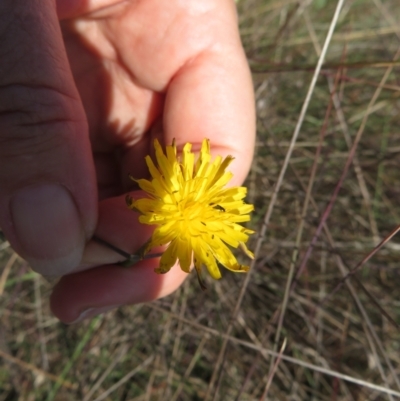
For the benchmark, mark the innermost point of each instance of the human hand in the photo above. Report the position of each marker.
(75, 124)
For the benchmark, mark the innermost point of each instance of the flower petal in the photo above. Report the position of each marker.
(168, 258)
(185, 251)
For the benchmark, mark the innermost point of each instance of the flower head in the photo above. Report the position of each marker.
(193, 211)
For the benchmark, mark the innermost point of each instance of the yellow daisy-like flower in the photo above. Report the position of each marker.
(193, 211)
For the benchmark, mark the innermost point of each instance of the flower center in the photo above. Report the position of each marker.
(190, 211)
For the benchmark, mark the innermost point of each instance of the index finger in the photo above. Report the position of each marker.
(212, 97)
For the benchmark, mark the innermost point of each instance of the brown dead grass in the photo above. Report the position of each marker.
(341, 336)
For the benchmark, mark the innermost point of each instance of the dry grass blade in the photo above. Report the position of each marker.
(93, 325)
(157, 360)
(177, 344)
(217, 368)
(334, 128)
(191, 365)
(377, 304)
(272, 372)
(356, 164)
(36, 371)
(122, 352)
(127, 377)
(355, 269)
(287, 159)
(388, 16)
(267, 352)
(367, 320)
(302, 222)
(368, 324)
(6, 271)
(349, 160)
(39, 318)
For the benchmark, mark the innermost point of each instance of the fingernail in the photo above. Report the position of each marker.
(48, 228)
(91, 312)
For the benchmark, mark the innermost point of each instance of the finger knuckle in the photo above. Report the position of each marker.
(33, 118)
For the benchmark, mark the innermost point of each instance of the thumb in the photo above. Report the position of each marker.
(47, 183)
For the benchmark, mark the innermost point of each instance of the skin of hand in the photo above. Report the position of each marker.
(85, 87)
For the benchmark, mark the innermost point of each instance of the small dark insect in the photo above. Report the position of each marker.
(218, 207)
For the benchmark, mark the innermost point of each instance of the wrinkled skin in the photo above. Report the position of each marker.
(80, 107)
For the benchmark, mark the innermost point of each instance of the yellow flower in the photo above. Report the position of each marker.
(193, 211)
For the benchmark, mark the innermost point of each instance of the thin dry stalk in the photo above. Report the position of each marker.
(273, 371)
(6, 271)
(356, 163)
(191, 365)
(39, 319)
(290, 151)
(267, 352)
(389, 18)
(254, 338)
(344, 272)
(217, 370)
(36, 371)
(177, 342)
(362, 310)
(127, 377)
(359, 265)
(371, 330)
(303, 217)
(110, 367)
(349, 160)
